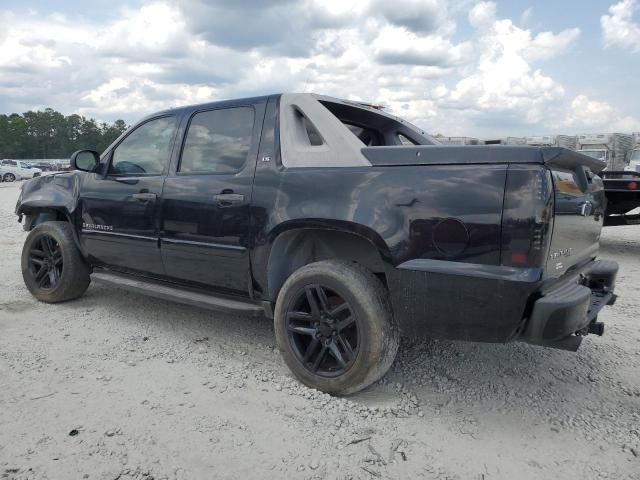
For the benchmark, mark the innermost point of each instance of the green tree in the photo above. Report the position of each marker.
(50, 134)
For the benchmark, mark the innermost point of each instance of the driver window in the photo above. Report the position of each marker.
(146, 150)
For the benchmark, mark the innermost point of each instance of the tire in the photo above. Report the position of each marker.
(9, 177)
(51, 246)
(368, 353)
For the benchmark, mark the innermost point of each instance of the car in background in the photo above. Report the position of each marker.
(28, 171)
(44, 166)
(64, 166)
(10, 173)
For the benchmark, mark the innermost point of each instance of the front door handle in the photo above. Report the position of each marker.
(144, 197)
(227, 199)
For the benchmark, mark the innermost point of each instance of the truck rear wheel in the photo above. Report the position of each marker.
(52, 267)
(334, 326)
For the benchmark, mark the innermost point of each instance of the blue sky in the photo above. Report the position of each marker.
(455, 67)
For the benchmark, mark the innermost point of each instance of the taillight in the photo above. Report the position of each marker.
(527, 218)
(632, 186)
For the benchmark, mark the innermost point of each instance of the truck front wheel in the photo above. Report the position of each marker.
(334, 326)
(52, 267)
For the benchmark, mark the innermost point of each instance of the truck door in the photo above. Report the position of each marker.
(206, 199)
(120, 208)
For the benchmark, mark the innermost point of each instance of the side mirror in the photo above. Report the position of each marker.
(85, 160)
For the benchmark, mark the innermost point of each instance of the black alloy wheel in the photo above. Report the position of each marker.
(53, 268)
(335, 327)
(322, 329)
(45, 262)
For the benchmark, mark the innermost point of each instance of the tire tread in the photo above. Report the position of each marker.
(75, 272)
(374, 298)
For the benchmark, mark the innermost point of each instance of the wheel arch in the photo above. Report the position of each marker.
(35, 215)
(51, 198)
(304, 243)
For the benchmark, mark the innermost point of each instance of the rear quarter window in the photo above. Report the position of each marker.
(565, 183)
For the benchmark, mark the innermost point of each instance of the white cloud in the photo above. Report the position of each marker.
(588, 113)
(502, 79)
(525, 17)
(26, 49)
(155, 28)
(425, 16)
(547, 45)
(483, 15)
(618, 27)
(592, 115)
(409, 55)
(396, 45)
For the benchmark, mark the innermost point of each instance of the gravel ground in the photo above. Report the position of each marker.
(120, 386)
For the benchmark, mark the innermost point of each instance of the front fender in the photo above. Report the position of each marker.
(51, 192)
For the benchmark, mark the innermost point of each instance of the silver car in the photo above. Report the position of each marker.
(9, 173)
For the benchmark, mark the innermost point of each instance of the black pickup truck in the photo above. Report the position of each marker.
(346, 225)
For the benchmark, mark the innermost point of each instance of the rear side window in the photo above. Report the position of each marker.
(369, 137)
(146, 150)
(218, 141)
(405, 140)
(565, 183)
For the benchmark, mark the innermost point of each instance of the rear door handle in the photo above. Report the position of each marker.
(144, 197)
(586, 208)
(226, 199)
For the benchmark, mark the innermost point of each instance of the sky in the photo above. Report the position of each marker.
(454, 67)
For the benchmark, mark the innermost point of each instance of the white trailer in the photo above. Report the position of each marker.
(567, 141)
(504, 141)
(515, 141)
(634, 157)
(542, 141)
(612, 148)
(457, 140)
(564, 141)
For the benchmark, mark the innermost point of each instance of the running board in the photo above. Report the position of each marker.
(180, 295)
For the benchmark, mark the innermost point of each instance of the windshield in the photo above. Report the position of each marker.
(599, 154)
(635, 156)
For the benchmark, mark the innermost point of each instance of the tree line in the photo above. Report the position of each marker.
(50, 134)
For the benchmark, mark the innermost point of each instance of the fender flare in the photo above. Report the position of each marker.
(277, 269)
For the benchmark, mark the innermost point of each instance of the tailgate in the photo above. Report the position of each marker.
(579, 207)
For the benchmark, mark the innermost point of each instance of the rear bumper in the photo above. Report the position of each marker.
(569, 310)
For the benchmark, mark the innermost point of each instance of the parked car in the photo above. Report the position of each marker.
(345, 224)
(12, 173)
(44, 166)
(28, 170)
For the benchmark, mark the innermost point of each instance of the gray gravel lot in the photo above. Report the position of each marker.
(120, 386)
